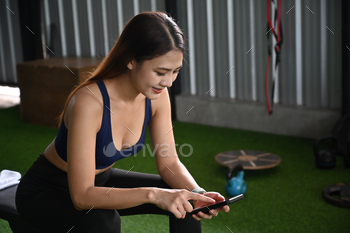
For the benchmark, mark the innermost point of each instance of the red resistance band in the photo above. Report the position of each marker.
(279, 38)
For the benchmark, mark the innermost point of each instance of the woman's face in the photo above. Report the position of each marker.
(152, 76)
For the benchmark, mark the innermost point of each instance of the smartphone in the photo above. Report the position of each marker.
(207, 208)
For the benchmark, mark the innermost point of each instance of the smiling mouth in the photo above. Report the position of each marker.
(156, 90)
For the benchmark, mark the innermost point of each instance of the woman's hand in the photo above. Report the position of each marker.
(217, 197)
(176, 200)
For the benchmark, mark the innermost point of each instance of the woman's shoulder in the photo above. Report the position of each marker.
(89, 95)
(90, 92)
(86, 102)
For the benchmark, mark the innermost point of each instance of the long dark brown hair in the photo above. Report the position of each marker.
(146, 36)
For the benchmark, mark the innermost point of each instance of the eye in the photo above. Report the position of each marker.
(176, 71)
(160, 74)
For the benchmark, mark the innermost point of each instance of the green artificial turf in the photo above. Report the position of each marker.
(286, 198)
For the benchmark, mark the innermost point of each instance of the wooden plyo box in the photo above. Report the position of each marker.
(46, 84)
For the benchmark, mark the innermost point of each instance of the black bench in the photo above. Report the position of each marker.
(9, 213)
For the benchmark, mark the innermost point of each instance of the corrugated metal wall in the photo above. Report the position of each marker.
(226, 41)
(80, 28)
(10, 41)
(222, 34)
(90, 28)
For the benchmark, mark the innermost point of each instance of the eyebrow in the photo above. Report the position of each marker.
(167, 69)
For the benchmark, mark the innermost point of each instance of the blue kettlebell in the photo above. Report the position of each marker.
(235, 185)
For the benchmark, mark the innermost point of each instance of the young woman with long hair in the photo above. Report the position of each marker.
(72, 185)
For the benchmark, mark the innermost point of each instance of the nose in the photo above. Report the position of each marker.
(168, 80)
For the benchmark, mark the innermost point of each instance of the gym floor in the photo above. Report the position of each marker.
(286, 198)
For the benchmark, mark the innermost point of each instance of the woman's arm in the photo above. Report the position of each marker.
(84, 114)
(170, 168)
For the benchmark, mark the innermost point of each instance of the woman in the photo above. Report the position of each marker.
(72, 185)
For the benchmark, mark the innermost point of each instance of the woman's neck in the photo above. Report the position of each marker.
(122, 89)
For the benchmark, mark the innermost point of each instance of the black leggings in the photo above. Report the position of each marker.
(43, 200)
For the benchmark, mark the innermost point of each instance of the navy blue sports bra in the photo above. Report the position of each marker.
(106, 153)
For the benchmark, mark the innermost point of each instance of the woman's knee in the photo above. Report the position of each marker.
(186, 225)
(102, 221)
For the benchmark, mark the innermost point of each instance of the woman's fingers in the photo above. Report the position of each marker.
(200, 197)
(202, 215)
(209, 215)
(178, 210)
(218, 198)
(183, 206)
(212, 213)
(176, 201)
(225, 208)
(214, 195)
